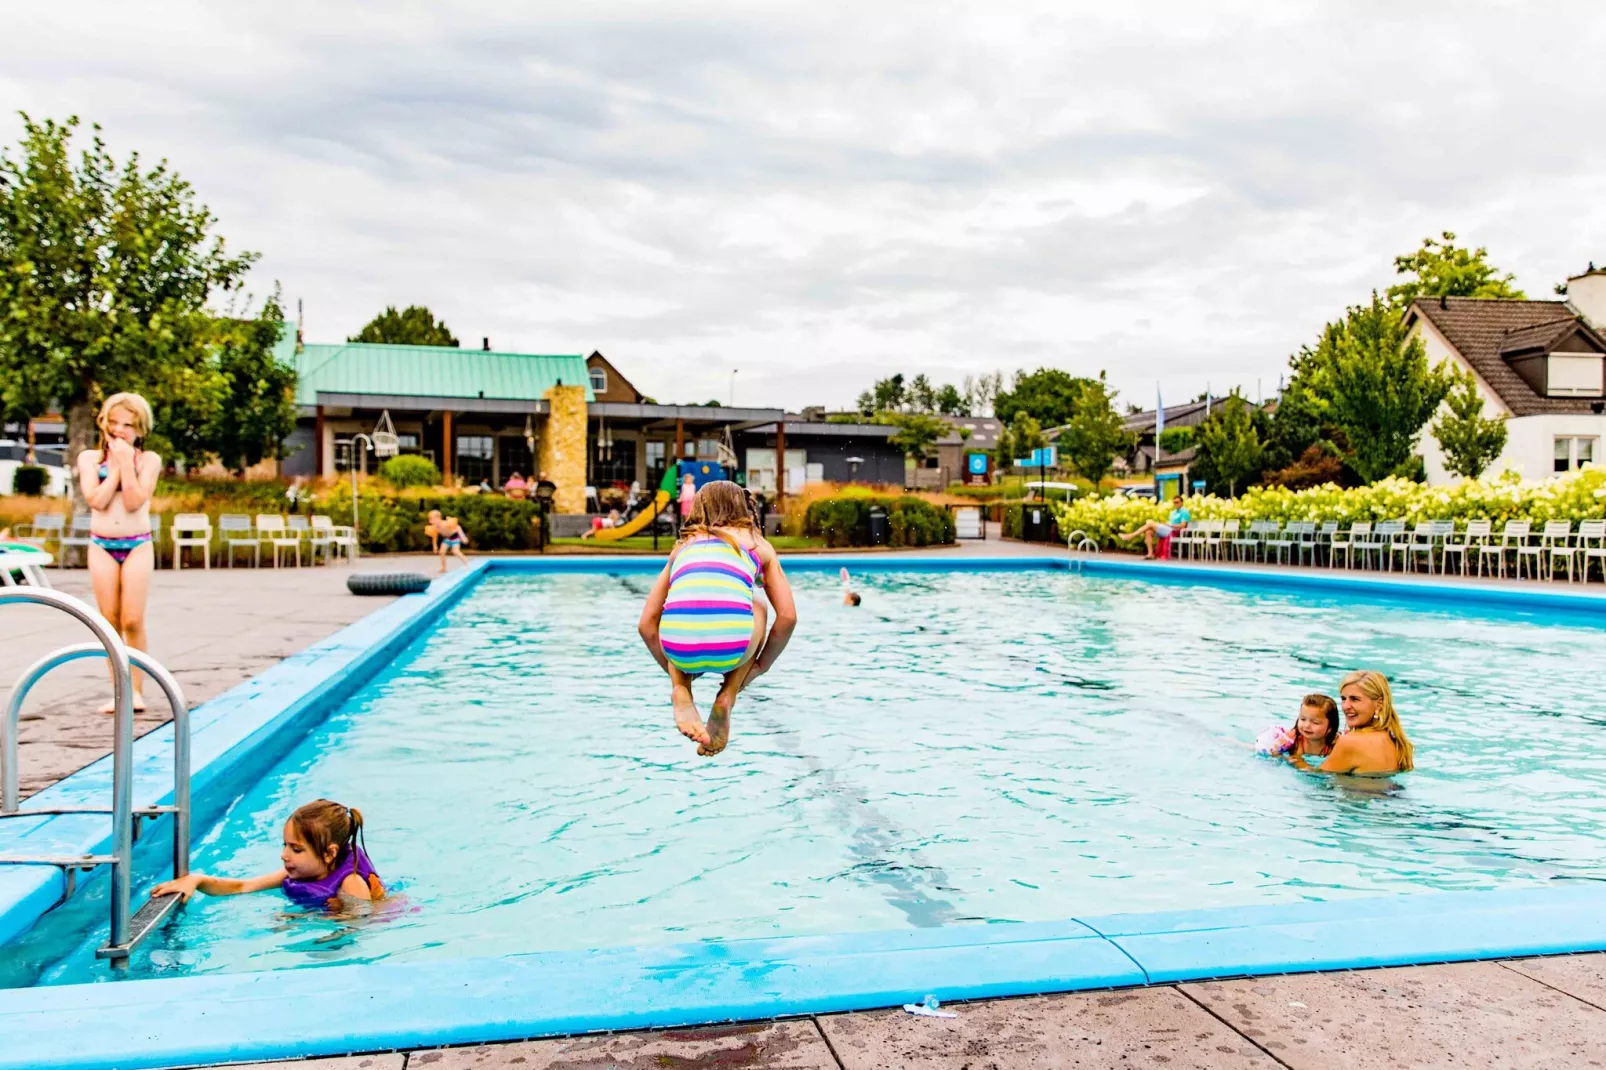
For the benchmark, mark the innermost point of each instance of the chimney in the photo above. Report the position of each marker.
(485, 344)
(1586, 295)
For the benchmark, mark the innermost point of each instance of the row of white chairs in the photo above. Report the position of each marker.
(1432, 544)
(319, 534)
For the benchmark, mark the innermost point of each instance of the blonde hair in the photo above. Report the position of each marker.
(1375, 686)
(720, 504)
(137, 407)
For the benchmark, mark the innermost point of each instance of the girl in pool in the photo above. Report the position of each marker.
(1376, 743)
(1313, 735)
(117, 481)
(449, 534)
(324, 863)
(703, 614)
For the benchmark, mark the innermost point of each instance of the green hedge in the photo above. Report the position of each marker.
(230, 495)
(391, 523)
(29, 481)
(911, 521)
(410, 470)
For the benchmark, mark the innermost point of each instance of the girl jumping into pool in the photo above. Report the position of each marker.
(324, 863)
(704, 613)
(117, 481)
(1376, 743)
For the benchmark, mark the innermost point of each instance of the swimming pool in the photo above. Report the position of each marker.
(972, 755)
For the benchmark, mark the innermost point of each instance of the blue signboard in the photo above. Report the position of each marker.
(978, 464)
(1040, 458)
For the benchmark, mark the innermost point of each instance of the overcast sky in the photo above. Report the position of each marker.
(819, 194)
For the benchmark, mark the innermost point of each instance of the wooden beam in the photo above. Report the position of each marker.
(446, 446)
(780, 464)
(317, 446)
(680, 443)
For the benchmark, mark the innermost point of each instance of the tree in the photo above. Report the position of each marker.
(917, 432)
(1443, 269)
(922, 395)
(1048, 395)
(1095, 434)
(950, 402)
(889, 394)
(1176, 439)
(414, 325)
(105, 274)
(981, 392)
(1017, 440)
(1230, 443)
(258, 409)
(1375, 385)
(1470, 440)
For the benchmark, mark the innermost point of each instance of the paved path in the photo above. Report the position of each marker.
(215, 629)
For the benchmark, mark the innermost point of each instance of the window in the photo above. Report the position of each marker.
(513, 455)
(406, 442)
(616, 464)
(599, 380)
(707, 448)
(472, 458)
(1573, 375)
(657, 451)
(1573, 453)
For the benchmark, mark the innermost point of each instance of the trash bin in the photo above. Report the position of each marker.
(880, 530)
(1036, 523)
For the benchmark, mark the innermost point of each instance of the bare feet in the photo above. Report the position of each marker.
(686, 717)
(139, 705)
(719, 724)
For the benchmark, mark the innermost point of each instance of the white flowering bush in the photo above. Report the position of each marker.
(1573, 497)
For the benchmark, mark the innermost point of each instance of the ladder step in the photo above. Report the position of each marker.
(147, 920)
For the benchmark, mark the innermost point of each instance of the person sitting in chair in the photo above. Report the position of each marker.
(1152, 531)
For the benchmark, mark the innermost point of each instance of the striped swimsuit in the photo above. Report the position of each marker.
(707, 621)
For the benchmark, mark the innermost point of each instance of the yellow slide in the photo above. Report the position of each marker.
(660, 502)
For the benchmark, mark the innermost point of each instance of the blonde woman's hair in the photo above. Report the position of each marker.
(1375, 686)
(137, 407)
(720, 504)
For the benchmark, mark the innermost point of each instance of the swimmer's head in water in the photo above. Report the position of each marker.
(315, 837)
(853, 598)
(1320, 712)
(1368, 703)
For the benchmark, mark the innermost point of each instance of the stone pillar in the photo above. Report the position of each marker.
(563, 446)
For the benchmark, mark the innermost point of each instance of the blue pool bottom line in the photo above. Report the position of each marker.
(357, 1008)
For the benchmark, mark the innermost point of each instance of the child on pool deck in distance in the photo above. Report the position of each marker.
(704, 613)
(324, 863)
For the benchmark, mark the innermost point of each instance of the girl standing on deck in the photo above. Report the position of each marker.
(324, 863)
(703, 614)
(1376, 743)
(117, 481)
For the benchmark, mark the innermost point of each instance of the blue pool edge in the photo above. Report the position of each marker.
(195, 1020)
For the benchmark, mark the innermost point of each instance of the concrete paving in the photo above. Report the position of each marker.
(216, 628)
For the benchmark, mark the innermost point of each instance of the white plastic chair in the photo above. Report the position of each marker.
(320, 537)
(1472, 541)
(46, 528)
(1557, 542)
(1512, 536)
(1344, 542)
(234, 530)
(343, 540)
(1592, 544)
(76, 536)
(192, 529)
(271, 529)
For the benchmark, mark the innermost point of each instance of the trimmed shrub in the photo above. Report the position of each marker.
(845, 521)
(394, 523)
(29, 481)
(227, 495)
(410, 470)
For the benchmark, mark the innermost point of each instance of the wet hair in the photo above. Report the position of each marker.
(1328, 709)
(322, 824)
(137, 407)
(853, 598)
(720, 504)
(1375, 686)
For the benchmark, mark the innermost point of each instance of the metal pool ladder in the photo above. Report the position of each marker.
(126, 931)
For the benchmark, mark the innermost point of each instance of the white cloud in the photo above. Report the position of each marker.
(819, 194)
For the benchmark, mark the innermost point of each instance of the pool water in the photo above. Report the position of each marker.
(965, 748)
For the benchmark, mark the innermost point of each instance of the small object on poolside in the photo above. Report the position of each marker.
(930, 1008)
(1274, 739)
(387, 583)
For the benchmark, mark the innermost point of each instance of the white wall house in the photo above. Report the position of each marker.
(1540, 364)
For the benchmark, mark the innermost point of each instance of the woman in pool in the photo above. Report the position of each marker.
(1376, 743)
(117, 481)
(1152, 530)
(324, 863)
(703, 614)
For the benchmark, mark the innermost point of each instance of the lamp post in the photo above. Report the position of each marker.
(361, 458)
(853, 468)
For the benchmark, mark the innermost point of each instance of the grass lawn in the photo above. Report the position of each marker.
(637, 543)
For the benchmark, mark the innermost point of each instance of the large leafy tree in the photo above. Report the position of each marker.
(1375, 385)
(258, 391)
(1048, 395)
(106, 270)
(414, 325)
(918, 395)
(917, 432)
(1470, 440)
(1019, 438)
(1229, 446)
(1095, 434)
(1443, 269)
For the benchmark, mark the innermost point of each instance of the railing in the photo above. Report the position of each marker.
(125, 931)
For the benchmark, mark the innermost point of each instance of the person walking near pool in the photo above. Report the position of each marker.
(450, 535)
(117, 481)
(1376, 743)
(1153, 530)
(324, 863)
(704, 615)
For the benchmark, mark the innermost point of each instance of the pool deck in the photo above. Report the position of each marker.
(216, 629)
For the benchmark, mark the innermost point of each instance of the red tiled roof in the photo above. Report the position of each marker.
(1481, 330)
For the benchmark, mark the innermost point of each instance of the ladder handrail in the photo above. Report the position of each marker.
(181, 737)
(122, 743)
